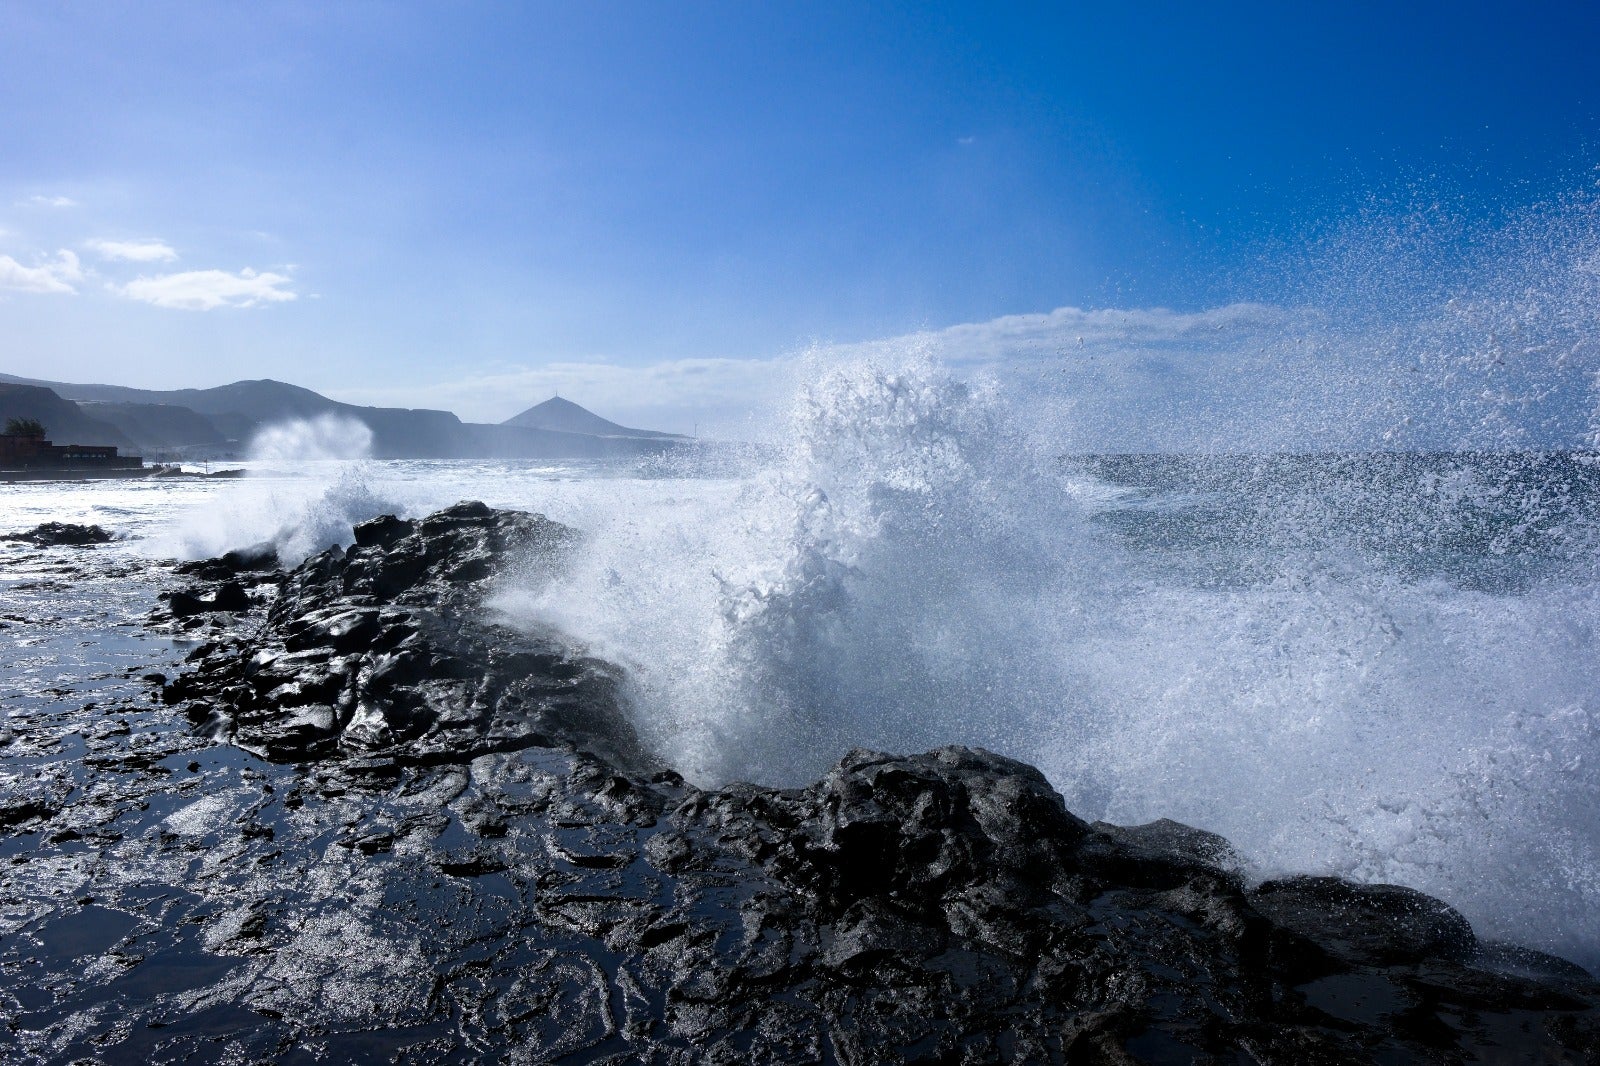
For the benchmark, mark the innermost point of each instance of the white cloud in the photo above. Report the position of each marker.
(47, 201)
(142, 251)
(207, 290)
(56, 274)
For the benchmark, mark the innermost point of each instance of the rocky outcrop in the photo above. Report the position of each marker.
(57, 534)
(585, 904)
(380, 653)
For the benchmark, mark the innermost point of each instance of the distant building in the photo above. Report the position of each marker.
(31, 452)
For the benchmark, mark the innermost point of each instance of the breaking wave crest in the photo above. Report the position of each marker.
(326, 436)
(299, 516)
(1377, 664)
(1279, 653)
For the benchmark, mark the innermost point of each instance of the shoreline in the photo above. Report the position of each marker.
(64, 474)
(279, 805)
(12, 477)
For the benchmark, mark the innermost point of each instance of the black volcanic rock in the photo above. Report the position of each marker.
(560, 893)
(258, 559)
(1384, 923)
(229, 596)
(381, 652)
(56, 534)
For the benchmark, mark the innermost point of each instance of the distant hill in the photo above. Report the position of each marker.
(220, 422)
(64, 421)
(158, 426)
(564, 416)
(263, 400)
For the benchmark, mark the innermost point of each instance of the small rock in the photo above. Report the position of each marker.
(57, 534)
(230, 597)
(185, 604)
(1379, 924)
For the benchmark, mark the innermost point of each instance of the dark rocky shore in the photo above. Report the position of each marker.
(56, 534)
(430, 838)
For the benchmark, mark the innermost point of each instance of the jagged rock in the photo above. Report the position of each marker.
(182, 604)
(56, 534)
(382, 652)
(230, 596)
(1380, 923)
(259, 559)
(942, 907)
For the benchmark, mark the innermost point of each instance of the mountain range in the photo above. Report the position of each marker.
(218, 423)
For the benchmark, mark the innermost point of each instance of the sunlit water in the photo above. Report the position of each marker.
(1381, 668)
(1375, 665)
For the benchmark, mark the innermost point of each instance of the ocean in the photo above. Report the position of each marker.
(1376, 665)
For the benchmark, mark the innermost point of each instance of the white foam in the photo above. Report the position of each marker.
(298, 514)
(326, 436)
(913, 569)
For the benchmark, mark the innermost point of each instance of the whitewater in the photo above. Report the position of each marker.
(1224, 647)
(1348, 620)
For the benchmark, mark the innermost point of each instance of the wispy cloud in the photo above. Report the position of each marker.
(1071, 329)
(208, 290)
(47, 201)
(728, 394)
(140, 251)
(54, 275)
(1243, 376)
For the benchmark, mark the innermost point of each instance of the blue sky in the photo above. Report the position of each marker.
(467, 205)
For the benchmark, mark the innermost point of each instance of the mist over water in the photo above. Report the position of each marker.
(870, 586)
(310, 439)
(297, 516)
(1420, 327)
(1377, 665)
(307, 483)
(1349, 620)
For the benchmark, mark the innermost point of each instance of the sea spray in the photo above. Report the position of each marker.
(1345, 660)
(1337, 719)
(308, 484)
(324, 437)
(298, 516)
(1378, 667)
(876, 583)
(1422, 326)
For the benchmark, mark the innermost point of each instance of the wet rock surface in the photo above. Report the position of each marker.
(381, 652)
(56, 534)
(505, 876)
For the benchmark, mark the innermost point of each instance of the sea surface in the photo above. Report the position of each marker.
(1381, 666)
